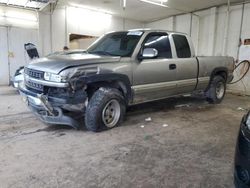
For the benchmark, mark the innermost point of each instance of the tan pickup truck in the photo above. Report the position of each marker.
(120, 69)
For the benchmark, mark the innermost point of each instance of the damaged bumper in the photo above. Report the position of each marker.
(55, 109)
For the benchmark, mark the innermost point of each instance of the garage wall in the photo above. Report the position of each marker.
(15, 17)
(17, 37)
(17, 27)
(211, 34)
(167, 24)
(209, 30)
(45, 40)
(4, 70)
(66, 20)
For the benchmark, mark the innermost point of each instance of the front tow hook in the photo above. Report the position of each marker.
(47, 105)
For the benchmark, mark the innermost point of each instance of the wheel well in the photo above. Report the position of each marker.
(221, 73)
(111, 84)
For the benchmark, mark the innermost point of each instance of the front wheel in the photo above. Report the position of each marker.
(105, 110)
(217, 90)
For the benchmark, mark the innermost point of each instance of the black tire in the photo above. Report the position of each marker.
(239, 184)
(97, 108)
(217, 90)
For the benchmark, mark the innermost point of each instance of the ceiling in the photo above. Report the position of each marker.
(146, 12)
(135, 9)
(32, 4)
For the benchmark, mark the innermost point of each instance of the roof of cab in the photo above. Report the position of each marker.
(157, 30)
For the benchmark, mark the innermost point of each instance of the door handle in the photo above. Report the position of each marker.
(172, 66)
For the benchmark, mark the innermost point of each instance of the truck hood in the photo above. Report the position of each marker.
(55, 64)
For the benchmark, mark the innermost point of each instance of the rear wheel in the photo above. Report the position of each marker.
(105, 110)
(217, 90)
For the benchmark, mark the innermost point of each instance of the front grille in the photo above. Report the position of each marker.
(34, 85)
(34, 73)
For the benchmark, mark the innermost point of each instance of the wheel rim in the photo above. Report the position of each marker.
(111, 113)
(220, 90)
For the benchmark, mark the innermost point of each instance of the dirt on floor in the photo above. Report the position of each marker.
(179, 142)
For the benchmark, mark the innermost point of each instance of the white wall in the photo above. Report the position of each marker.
(4, 68)
(210, 33)
(195, 29)
(45, 40)
(78, 21)
(17, 37)
(15, 17)
(182, 23)
(18, 26)
(167, 24)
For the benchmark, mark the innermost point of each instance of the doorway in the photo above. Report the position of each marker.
(13, 54)
(80, 41)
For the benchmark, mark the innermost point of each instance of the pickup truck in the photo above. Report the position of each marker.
(121, 69)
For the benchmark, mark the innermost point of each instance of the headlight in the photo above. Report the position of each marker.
(21, 71)
(53, 77)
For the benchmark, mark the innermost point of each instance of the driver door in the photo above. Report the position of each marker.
(155, 78)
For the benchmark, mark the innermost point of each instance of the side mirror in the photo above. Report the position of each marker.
(149, 53)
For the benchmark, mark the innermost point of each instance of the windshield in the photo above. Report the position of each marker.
(116, 44)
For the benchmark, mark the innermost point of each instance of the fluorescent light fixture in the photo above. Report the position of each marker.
(90, 8)
(35, 4)
(161, 1)
(41, 1)
(156, 2)
(16, 2)
(124, 4)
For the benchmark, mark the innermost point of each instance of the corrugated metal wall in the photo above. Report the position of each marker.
(211, 35)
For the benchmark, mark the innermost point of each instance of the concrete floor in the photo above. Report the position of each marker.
(183, 146)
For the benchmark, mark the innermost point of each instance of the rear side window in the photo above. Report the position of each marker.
(182, 46)
(161, 43)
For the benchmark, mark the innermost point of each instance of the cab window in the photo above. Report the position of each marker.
(182, 46)
(159, 41)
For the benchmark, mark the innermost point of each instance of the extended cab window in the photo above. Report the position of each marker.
(182, 46)
(161, 43)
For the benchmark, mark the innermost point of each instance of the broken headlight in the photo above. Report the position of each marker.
(54, 77)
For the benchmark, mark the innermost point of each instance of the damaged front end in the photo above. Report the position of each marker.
(54, 103)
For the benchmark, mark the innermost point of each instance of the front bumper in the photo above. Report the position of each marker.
(242, 157)
(55, 109)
